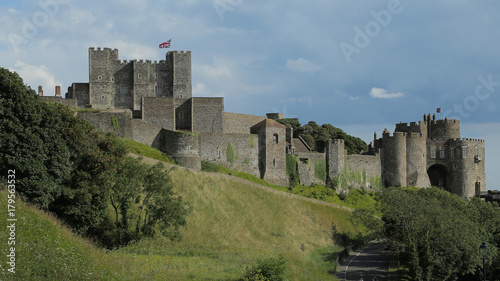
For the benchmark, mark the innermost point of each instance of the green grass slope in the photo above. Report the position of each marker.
(46, 250)
(232, 225)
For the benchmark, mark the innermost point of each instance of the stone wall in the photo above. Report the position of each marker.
(394, 159)
(272, 155)
(117, 122)
(80, 92)
(183, 114)
(214, 146)
(306, 162)
(147, 133)
(208, 115)
(235, 123)
(335, 157)
(159, 111)
(445, 129)
(368, 166)
(183, 147)
(67, 102)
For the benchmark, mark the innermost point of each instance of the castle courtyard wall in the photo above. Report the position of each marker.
(159, 111)
(306, 162)
(117, 122)
(236, 123)
(213, 148)
(208, 115)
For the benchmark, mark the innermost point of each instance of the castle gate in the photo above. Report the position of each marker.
(438, 175)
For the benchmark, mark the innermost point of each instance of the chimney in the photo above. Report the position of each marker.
(40, 91)
(58, 91)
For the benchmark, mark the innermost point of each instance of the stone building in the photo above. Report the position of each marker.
(152, 103)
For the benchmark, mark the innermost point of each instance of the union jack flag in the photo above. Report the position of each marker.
(165, 44)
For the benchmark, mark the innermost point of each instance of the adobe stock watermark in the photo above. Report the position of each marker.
(363, 37)
(223, 6)
(30, 27)
(482, 92)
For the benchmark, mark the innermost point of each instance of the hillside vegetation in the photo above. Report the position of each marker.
(232, 225)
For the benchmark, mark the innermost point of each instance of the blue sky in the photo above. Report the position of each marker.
(362, 66)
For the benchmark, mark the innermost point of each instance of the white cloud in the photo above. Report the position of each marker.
(35, 75)
(302, 65)
(353, 98)
(305, 99)
(380, 93)
(215, 71)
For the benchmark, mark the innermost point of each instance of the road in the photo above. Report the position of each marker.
(368, 263)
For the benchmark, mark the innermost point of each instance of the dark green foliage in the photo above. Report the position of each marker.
(29, 141)
(291, 170)
(292, 122)
(114, 120)
(62, 164)
(316, 136)
(439, 233)
(271, 269)
(230, 156)
(144, 204)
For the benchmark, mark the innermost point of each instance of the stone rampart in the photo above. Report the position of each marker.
(236, 123)
(208, 115)
(117, 122)
(214, 148)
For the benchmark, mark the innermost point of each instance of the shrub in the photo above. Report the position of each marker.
(230, 153)
(272, 269)
(320, 170)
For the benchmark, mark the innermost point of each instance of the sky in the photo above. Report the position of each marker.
(359, 65)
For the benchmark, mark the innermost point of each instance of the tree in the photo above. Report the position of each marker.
(62, 163)
(30, 142)
(437, 232)
(144, 203)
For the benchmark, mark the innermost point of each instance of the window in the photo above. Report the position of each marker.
(103, 97)
(156, 75)
(476, 152)
(158, 91)
(275, 138)
(139, 76)
(181, 96)
(464, 151)
(112, 79)
(99, 77)
(123, 90)
(452, 152)
(274, 162)
(441, 153)
(433, 152)
(181, 115)
(126, 75)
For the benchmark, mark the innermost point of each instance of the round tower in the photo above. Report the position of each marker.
(416, 155)
(184, 148)
(394, 155)
(445, 129)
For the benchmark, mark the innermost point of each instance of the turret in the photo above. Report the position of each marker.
(394, 155)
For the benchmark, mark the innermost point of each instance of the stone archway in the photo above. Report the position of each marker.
(438, 175)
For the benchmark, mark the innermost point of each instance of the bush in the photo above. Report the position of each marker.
(271, 269)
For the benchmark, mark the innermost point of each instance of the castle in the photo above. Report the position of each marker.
(152, 103)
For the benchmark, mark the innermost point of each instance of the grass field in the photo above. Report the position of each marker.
(232, 225)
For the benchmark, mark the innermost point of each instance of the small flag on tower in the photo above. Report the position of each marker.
(165, 44)
(438, 110)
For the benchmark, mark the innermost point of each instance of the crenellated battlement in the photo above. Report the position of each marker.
(468, 140)
(446, 121)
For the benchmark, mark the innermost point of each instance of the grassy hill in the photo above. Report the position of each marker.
(232, 225)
